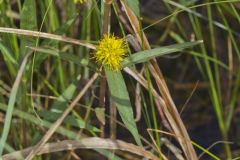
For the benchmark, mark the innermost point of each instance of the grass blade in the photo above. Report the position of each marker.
(11, 103)
(134, 6)
(65, 56)
(7, 54)
(28, 22)
(69, 120)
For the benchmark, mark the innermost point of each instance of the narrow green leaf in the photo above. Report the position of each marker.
(30, 118)
(144, 56)
(70, 120)
(28, 21)
(8, 55)
(9, 59)
(134, 6)
(121, 98)
(63, 29)
(62, 101)
(11, 103)
(100, 113)
(9, 148)
(211, 59)
(202, 16)
(48, 42)
(61, 130)
(66, 56)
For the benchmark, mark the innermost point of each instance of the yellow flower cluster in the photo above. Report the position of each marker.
(80, 1)
(111, 52)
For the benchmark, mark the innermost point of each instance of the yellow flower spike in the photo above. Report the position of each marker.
(80, 1)
(111, 52)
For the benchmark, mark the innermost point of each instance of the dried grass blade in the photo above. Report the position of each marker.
(86, 143)
(170, 110)
(46, 35)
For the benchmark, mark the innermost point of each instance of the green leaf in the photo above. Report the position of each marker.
(7, 54)
(28, 15)
(70, 120)
(9, 59)
(11, 103)
(121, 98)
(61, 103)
(61, 130)
(100, 113)
(66, 56)
(210, 59)
(144, 56)
(60, 31)
(48, 42)
(28, 21)
(31, 118)
(134, 6)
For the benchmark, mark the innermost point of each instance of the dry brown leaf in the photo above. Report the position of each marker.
(86, 143)
(169, 108)
(46, 35)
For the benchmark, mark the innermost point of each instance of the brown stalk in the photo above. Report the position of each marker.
(138, 102)
(113, 115)
(113, 111)
(122, 18)
(102, 91)
(46, 35)
(103, 83)
(169, 110)
(157, 98)
(135, 44)
(102, 99)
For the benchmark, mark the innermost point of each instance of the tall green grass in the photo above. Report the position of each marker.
(40, 77)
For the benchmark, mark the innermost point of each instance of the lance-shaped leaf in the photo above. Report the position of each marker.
(144, 56)
(121, 99)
